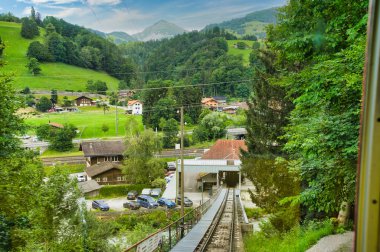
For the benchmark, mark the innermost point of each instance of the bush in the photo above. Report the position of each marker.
(44, 104)
(285, 219)
(159, 183)
(299, 238)
(119, 190)
(254, 212)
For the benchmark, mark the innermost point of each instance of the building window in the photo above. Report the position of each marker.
(118, 178)
(123, 178)
(97, 179)
(104, 179)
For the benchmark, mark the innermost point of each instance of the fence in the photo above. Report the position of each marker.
(166, 238)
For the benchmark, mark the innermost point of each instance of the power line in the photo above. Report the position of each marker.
(165, 87)
(121, 73)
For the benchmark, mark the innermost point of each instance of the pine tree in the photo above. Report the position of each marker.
(266, 118)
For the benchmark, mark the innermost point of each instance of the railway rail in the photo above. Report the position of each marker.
(220, 237)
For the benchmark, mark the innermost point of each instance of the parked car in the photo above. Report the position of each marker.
(171, 166)
(187, 201)
(100, 204)
(133, 205)
(155, 192)
(132, 195)
(146, 191)
(166, 202)
(81, 178)
(147, 201)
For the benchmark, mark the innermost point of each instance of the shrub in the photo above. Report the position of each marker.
(159, 183)
(119, 190)
(254, 212)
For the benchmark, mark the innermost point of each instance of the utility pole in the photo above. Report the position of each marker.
(182, 170)
(116, 121)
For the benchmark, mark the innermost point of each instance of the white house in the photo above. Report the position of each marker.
(135, 107)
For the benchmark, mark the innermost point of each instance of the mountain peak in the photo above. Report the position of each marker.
(159, 30)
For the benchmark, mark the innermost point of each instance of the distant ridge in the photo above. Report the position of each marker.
(160, 30)
(253, 23)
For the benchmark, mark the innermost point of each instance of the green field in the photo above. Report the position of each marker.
(244, 52)
(53, 75)
(89, 121)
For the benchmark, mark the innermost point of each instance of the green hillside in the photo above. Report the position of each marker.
(253, 23)
(244, 52)
(53, 75)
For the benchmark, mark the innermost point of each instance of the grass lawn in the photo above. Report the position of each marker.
(71, 153)
(53, 75)
(89, 121)
(75, 168)
(244, 52)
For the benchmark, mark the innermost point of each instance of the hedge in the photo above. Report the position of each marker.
(119, 190)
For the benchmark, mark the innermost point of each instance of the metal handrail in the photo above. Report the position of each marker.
(199, 211)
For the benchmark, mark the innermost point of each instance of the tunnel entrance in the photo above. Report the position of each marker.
(231, 178)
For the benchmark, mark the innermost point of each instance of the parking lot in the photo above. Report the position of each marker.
(116, 204)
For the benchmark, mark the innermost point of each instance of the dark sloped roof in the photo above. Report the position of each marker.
(101, 167)
(102, 148)
(225, 149)
(82, 97)
(88, 186)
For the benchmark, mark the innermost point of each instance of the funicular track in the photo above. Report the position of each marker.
(220, 235)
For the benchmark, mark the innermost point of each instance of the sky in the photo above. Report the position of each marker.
(133, 16)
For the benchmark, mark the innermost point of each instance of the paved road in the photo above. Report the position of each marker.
(334, 243)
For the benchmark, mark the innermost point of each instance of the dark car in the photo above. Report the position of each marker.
(166, 202)
(188, 202)
(132, 195)
(147, 201)
(100, 204)
(133, 205)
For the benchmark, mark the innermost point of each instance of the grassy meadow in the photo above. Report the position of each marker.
(53, 75)
(243, 52)
(89, 121)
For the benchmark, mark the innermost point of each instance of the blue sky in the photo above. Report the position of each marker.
(133, 16)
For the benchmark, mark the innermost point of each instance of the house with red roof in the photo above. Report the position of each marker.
(135, 107)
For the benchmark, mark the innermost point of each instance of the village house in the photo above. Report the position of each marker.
(222, 100)
(209, 102)
(135, 107)
(97, 152)
(106, 173)
(84, 101)
(230, 109)
(89, 188)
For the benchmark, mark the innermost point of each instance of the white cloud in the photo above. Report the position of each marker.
(117, 20)
(103, 2)
(53, 2)
(67, 12)
(26, 11)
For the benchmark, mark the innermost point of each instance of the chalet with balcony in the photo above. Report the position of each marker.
(97, 152)
(106, 173)
(84, 101)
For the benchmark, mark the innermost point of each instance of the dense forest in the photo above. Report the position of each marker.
(73, 45)
(303, 122)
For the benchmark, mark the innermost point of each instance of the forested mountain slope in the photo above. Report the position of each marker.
(54, 75)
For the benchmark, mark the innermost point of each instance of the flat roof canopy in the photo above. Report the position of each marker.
(209, 165)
